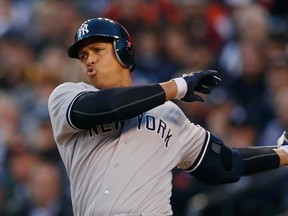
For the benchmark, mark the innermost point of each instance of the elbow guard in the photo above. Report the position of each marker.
(217, 164)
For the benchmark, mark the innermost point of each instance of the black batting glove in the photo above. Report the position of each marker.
(201, 81)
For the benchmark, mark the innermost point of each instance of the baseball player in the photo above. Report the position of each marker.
(119, 142)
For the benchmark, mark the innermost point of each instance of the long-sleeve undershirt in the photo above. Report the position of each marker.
(115, 104)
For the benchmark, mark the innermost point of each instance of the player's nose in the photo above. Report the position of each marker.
(91, 59)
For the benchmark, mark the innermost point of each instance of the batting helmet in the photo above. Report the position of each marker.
(103, 27)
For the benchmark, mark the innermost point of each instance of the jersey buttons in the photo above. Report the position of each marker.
(106, 192)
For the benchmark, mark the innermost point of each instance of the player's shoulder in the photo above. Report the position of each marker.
(169, 108)
(71, 89)
(168, 112)
(73, 85)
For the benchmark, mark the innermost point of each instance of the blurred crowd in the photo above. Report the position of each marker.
(245, 40)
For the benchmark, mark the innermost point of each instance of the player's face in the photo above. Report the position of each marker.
(101, 66)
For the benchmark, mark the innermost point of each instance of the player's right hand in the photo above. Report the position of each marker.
(200, 81)
(282, 142)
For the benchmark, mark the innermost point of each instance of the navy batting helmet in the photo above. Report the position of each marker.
(103, 27)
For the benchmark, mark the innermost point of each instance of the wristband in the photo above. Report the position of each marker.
(181, 86)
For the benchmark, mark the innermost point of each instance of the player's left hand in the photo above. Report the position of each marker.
(202, 82)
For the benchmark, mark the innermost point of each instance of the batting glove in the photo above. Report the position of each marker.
(201, 81)
(282, 142)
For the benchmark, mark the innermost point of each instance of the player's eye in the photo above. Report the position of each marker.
(97, 50)
(82, 56)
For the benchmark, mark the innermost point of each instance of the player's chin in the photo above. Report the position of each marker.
(98, 84)
(93, 81)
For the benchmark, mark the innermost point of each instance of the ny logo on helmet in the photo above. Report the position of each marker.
(83, 30)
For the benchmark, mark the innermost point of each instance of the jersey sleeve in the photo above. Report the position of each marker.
(191, 138)
(59, 104)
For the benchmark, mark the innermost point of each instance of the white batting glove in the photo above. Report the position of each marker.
(282, 142)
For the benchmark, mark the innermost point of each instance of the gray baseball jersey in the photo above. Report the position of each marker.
(123, 168)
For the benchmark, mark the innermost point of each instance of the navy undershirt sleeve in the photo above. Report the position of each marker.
(115, 104)
(259, 159)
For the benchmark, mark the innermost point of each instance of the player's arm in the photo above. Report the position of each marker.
(219, 164)
(92, 108)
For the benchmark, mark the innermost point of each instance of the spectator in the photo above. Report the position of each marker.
(280, 121)
(153, 64)
(250, 24)
(248, 90)
(47, 197)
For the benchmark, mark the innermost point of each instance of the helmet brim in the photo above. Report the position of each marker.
(74, 48)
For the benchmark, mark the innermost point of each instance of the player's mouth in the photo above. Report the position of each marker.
(91, 72)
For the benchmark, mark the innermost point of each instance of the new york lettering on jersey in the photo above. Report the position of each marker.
(144, 121)
(155, 124)
(105, 128)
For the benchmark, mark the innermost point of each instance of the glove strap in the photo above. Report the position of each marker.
(182, 87)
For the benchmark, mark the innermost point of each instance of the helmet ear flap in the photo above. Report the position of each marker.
(129, 50)
(124, 54)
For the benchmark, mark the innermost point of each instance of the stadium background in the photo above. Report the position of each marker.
(246, 40)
